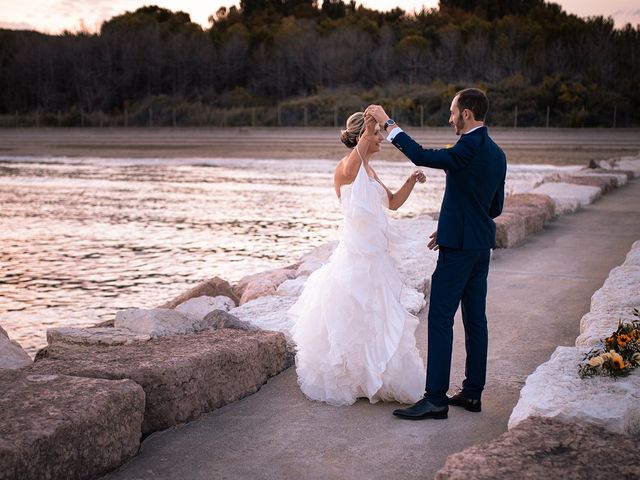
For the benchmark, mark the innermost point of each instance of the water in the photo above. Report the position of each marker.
(82, 238)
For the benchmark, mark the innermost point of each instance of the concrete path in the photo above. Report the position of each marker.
(537, 295)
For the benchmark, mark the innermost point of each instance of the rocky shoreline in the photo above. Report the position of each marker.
(206, 348)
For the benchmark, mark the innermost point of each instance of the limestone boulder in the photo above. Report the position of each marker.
(569, 197)
(292, 287)
(604, 182)
(94, 336)
(510, 230)
(313, 260)
(596, 326)
(542, 448)
(629, 163)
(221, 319)
(267, 313)
(539, 202)
(12, 355)
(183, 376)
(621, 290)
(60, 427)
(555, 390)
(212, 287)
(262, 284)
(157, 322)
(199, 307)
(534, 217)
(633, 256)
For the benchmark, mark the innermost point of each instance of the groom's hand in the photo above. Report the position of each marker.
(377, 112)
(433, 245)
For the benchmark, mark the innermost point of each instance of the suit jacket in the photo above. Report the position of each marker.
(474, 195)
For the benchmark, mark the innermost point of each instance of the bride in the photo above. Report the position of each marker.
(354, 338)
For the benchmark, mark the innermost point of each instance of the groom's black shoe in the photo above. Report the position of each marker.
(421, 410)
(459, 400)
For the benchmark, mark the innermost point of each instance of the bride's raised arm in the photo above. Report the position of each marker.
(351, 165)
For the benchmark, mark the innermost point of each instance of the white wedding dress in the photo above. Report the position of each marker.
(353, 336)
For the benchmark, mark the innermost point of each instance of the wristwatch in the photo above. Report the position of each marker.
(388, 123)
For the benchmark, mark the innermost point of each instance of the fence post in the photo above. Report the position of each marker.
(421, 116)
(173, 116)
(615, 111)
(515, 117)
(150, 116)
(279, 115)
(253, 116)
(306, 115)
(16, 118)
(548, 112)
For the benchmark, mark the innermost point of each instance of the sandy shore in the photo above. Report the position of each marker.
(548, 146)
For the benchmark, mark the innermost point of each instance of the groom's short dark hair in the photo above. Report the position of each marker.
(475, 100)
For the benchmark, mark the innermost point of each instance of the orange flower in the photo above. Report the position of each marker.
(617, 360)
(623, 340)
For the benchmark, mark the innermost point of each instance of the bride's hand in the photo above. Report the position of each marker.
(370, 124)
(418, 177)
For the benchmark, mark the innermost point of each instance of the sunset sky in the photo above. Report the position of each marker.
(55, 16)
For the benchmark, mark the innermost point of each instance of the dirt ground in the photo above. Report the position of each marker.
(536, 145)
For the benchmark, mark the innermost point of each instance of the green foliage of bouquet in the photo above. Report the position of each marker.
(619, 353)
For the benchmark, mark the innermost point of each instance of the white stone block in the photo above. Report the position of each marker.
(201, 306)
(292, 287)
(629, 163)
(621, 290)
(568, 197)
(555, 390)
(267, 313)
(633, 256)
(596, 326)
(317, 257)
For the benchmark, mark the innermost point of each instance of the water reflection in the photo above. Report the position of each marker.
(82, 238)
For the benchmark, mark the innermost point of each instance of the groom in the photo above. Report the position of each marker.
(475, 170)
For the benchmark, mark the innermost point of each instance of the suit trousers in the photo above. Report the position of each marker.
(460, 277)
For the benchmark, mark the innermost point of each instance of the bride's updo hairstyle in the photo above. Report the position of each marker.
(355, 128)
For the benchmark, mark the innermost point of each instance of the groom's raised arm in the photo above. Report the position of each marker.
(443, 158)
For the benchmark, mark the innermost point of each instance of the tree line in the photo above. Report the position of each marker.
(534, 59)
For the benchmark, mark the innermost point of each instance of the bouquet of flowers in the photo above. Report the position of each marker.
(618, 354)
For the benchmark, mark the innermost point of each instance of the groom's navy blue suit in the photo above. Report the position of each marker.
(474, 195)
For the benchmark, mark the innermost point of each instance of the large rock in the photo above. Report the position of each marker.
(268, 313)
(596, 326)
(292, 287)
(621, 290)
(629, 163)
(569, 197)
(199, 307)
(537, 201)
(211, 288)
(182, 376)
(94, 336)
(633, 256)
(158, 322)
(541, 448)
(534, 217)
(262, 284)
(221, 319)
(510, 230)
(317, 257)
(604, 182)
(63, 427)
(12, 355)
(555, 390)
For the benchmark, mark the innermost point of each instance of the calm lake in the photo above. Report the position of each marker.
(81, 238)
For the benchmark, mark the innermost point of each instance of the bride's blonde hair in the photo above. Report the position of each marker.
(354, 130)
